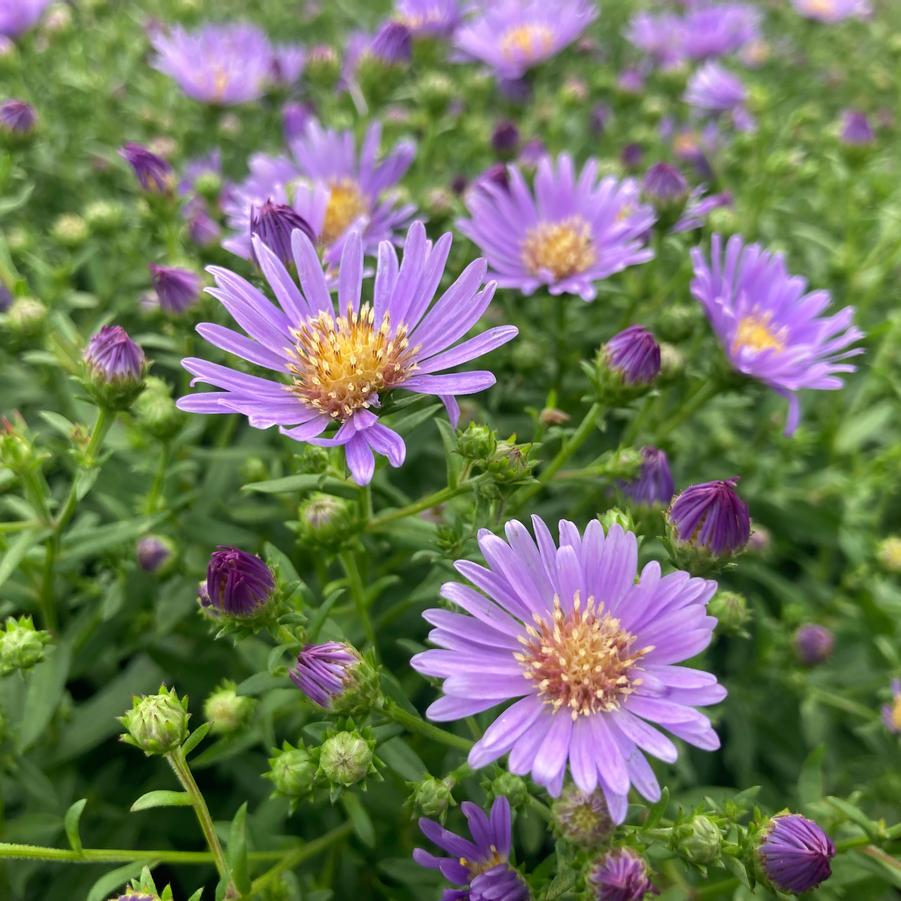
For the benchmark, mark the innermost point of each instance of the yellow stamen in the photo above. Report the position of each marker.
(896, 713)
(562, 248)
(755, 333)
(527, 42)
(346, 204)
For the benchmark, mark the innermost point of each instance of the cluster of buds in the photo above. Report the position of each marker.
(698, 840)
(156, 724)
(21, 645)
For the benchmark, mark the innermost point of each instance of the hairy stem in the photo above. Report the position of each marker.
(358, 593)
(414, 723)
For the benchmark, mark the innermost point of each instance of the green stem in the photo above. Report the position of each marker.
(159, 479)
(358, 593)
(295, 858)
(714, 888)
(426, 503)
(117, 855)
(183, 772)
(701, 395)
(579, 437)
(414, 723)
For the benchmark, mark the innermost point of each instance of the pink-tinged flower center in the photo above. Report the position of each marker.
(755, 333)
(477, 867)
(344, 362)
(346, 204)
(582, 660)
(528, 42)
(562, 248)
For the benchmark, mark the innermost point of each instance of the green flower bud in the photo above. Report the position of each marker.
(155, 409)
(312, 460)
(699, 840)
(226, 710)
(325, 521)
(346, 758)
(432, 797)
(292, 771)
(514, 788)
(209, 185)
(477, 442)
(731, 609)
(672, 361)
(21, 645)
(889, 553)
(104, 216)
(17, 450)
(510, 461)
(253, 469)
(70, 230)
(26, 317)
(323, 68)
(436, 90)
(157, 724)
(617, 517)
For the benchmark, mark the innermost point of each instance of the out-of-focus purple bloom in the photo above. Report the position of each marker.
(658, 35)
(795, 853)
(496, 174)
(710, 30)
(152, 552)
(711, 517)
(17, 117)
(19, 16)
(202, 228)
(691, 144)
(601, 114)
(768, 324)
(295, 118)
(532, 152)
(505, 138)
(429, 18)
(273, 224)
(699, 207)
(154, 174)
(338, 364)
(664, 187)
(634, 355)
(481, 864)
(584, 649)
(654, 483)
(833, 10)
(111, 356)
(574, 231)
(224, 64)
(6, 298)
(713, 89)
(813, 643)
(621, 875)
(631, 81)
(392, 44)
(632, 155)
(177, 289)
(323, 671)
(237, 583)
(856, 129)
(287, 63)
(891, 713)
(512, 36)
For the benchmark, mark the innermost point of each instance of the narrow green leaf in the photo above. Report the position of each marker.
(15, 553)
(454, 460)
(195, 738)
(259, 683)
(359, 819)
(71, 820)
(303, 482)
(398, 755)
(810, 779)
(58, 423)
(113, 880)
(161, 798)
(45, 690)
(317, 621)
(237, 850)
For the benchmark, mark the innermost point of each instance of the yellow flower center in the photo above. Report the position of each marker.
(346, 204)
(341, 363)
(582, 660)
(529, 42)
(685, 143)
(755, 333)
(561, 248)
(477, 867)
(220, 82)
(823, 7)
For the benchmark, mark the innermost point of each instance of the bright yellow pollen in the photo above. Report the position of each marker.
(823, 7)
(345, 205)
(477, 867)
(343, 362)
(562, 248)
(582, 660)
(529, 42)
(754, 333)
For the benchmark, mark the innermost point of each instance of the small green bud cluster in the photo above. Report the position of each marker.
(21, 645)
(226, 710)
(431, 797)
(156, 724)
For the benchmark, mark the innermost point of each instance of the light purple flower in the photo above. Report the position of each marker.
(392, 44)
(481, 864)
(177, 289)
(573, 232)
(795, 853)
(658, 35)
(769, 326)
(856, 129)
(589, 651)
(198, 168)
(512, 36)
(337, 365)
(218, 63)
(891, 713)
(621, 875)
(813, 643)
(295, 118)
(713, 89)
(334, 186)
(286, 63)
(717, 29)
(831, 11)
(429, 18)
(19, 16)
(17, 117)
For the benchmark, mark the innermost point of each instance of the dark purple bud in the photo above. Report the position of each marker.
(664, 186)
(856, 129)
(17, 118)
(273, 224)
(711, 517)
(621, 875)
(6, 298)
(237, 583)
(459, 183)
(795, 853)
(111, 356)
(295, 117)
(654, 484)
(632, 155)
(634, 355)
(495, 175)
(177, 289)
(505, 139)
(153, 553)
(154, 174)
(600, 116)
(392, 44)
(324, 671)
(813, 643)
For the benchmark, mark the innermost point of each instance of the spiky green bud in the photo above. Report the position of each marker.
(157, 724)
(226, 710)
(21, 645)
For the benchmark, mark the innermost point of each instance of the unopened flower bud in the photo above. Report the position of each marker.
(177, 289)
(25, 318)
(477, 442)
(18, 121)
(21, 645)
(794, 853)
(155, 554)
(731, 611)
(70, 231)
(889, 553)
(633, 355)
(699, 840)
(653, 486)
(813, 643)
(226, 710)
(621, 874)
(114, 367)
(665, 188)
(323, 66)
(582, 819)
(505, 139)
(334, 676)
(346, 758)
(432, 797)
(514, 788)
(237, 583)
(292, 771)
(154, 174)
(274, 223)
(104, 216)
(325, 521)
(157, 724)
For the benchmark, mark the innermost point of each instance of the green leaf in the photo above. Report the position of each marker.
(658, 809)
(93, 541)
(195, 738)
(317, 621)
(71, 820)
(259, 683)
(359, 819)
(406, 423)
(113, 880)
(398, 755)
(16, 552)
(45, 691)
(855, 815)
(303, 482)
(161, 798)
(58, 423)
(810, 779)
(454, 460)
(236, 854)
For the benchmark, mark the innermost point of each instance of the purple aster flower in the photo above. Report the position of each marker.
(17, 117)
(634, 355)
(574, 231)
(589, 651)
(111, 356)
(153, 552)
(295, 118)
(813, 643)
(664, 184)
(831, 11)
(891, 713)
(795, 853)
(177, 289)
(202, 228)
(856, 129)
(512, 36)
(658, 35)
(429, 18)
(481, 864)
(392, 44)
(19, 16)
(621, 875)
(237, 583)
(286, 63)
(337, 365)
(273, 224)
(714, 89)
(654, 483)
(716, 29)
(218, 63)
(197, 170)
(334, 187)
(711, 517)
(154, 174)
(768, 326)
(323, 671)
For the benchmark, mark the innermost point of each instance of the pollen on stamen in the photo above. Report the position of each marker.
(755, 333)
(562, 248)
